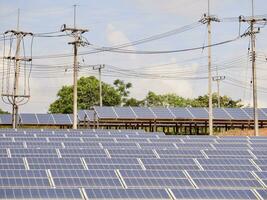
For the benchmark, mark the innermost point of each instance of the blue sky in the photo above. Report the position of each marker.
(121, 21)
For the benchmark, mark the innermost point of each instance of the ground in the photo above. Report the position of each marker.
(246, 132)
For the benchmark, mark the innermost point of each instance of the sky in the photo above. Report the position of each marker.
(116, 22)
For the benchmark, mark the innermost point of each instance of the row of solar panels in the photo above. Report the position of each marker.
(38, 119)
(162, 113)
(137, 113)
(132, 179)
(144, 193)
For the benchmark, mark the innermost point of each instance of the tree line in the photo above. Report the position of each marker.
(118, 94)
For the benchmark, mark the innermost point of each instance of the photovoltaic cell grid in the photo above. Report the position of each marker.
(115, 164)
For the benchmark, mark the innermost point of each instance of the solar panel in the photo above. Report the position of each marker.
(199, 113)
(228, 153)
(83, 173)
(11, 144)
(105, 112)
(62, 119)
(33, 152)
(220, 114)
(88, 182)
(127, 193)
(162, 113)
(45, 119)
(82, 152)
(262, 193)
(157, 183)
(179, 153)
(28, 118)
(40, 193)
(124, 113)
(157, 145)
(227, 183)
(181, 113)
(90, 115)
(22, 173)
(140, 153)
(221, 175)
(157, 174)
(237, 113)
(5, 119)
(250, 112)
(213, 194)
(24, 182)
(143, 113)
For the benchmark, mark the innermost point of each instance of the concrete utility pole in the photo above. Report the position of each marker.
(218, 79)
(252, 33)
(99, 68)
(76, 33)
(207, 19)
(14, 98)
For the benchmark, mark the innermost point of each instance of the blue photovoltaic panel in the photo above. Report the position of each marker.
(140, 153)
(124, 113)
(221, 175)
(105, 112)
(219, 113)
(229, 161)
(24, 182)
(199, 113)
(162, 113)
(71, 119)
(250, 112)
(229, 153)
(262, 193)
(82, 152)
(22, 173)
(127, 193)
(90, 115)
(237, 114)
(34, 152)
(62, 119)
(181, 113)
(28, 118)
(179, 153)
(84, 173)
(227, 183)
(156, 174)
(45, 119)
(5, 119)
(81, 115)
(143, 113)
(157, 183)
(39, 193)
(213, 194)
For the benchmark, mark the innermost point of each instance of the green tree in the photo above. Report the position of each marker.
(152, 99)
(88, 96)
(133, 102)
(225, 101)
(3, 112)
(123, 89)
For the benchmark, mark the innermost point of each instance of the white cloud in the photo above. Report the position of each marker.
(163, 86)
(117, 37)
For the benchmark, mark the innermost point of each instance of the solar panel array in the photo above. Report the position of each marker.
(160, 113)
(139, 113)
(114, 164)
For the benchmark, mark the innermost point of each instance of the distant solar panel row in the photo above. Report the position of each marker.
(177, 113)
(149, 113)
(38, 119)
